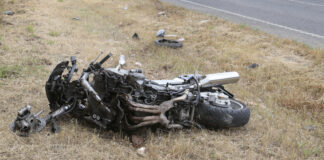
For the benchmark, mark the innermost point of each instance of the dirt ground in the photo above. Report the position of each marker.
(285, 92)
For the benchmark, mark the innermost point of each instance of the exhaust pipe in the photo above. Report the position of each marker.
(220, 78)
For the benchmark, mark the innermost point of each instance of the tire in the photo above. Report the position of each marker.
(168, 43)
(221, 116)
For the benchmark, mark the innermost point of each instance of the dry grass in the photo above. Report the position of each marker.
(1, 10)
(285, 93)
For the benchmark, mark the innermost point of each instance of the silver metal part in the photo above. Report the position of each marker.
(184, 114)
(82, 107)
(121, 62)
(27, 122)
(57, 113)
(88, 87)
(24, 110)
(216, 97)
(172, 81)
(220, 78)
(121, 72)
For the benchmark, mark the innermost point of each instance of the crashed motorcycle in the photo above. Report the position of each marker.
(119, 99)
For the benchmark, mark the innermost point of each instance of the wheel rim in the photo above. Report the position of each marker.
(236, 105)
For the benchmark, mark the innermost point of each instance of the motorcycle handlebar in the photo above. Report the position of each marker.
(105, 59)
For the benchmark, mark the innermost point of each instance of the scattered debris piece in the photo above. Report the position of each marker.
(126, 7)
(135, 36)
(203, 21)
(162, 13)
(170, 35)
(160, 33)
(181, 39)
(76, 18)
(168, 43)
(9, 13)
(309, 127)
(138, 64)
(141, 151)
(254, 65)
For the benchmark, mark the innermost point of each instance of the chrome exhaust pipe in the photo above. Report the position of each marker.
(220, 78)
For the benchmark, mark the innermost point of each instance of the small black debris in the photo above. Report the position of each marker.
(9, 13)
(135, 36)
(254, 65)
(76, 18)
(168, 43)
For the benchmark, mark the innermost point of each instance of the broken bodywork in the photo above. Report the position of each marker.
(118, 99)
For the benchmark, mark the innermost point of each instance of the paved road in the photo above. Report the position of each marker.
(301, 20)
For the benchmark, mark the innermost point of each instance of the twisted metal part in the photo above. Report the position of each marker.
(160, 110)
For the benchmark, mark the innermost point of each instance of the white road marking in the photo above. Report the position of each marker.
(257, 20)
(307, 3)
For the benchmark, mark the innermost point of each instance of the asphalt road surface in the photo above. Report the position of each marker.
(300, 20)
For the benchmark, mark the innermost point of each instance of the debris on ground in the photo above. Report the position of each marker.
(76, 18)
(170, 35)
(126, 7)
(168, 43)
(160, 33)
(309, 128)
(141, 151)
(138, 64)
(162, 13)
(9, 13)
(135, 36)
(181, 39)
(254, 65)
(203, 21)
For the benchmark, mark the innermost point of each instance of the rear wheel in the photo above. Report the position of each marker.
(215, 116)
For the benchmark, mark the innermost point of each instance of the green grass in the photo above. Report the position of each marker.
(50, 42)
(54, 33)
(30, 29)
(9, 71)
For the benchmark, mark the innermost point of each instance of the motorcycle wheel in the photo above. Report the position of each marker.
(218, 116)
